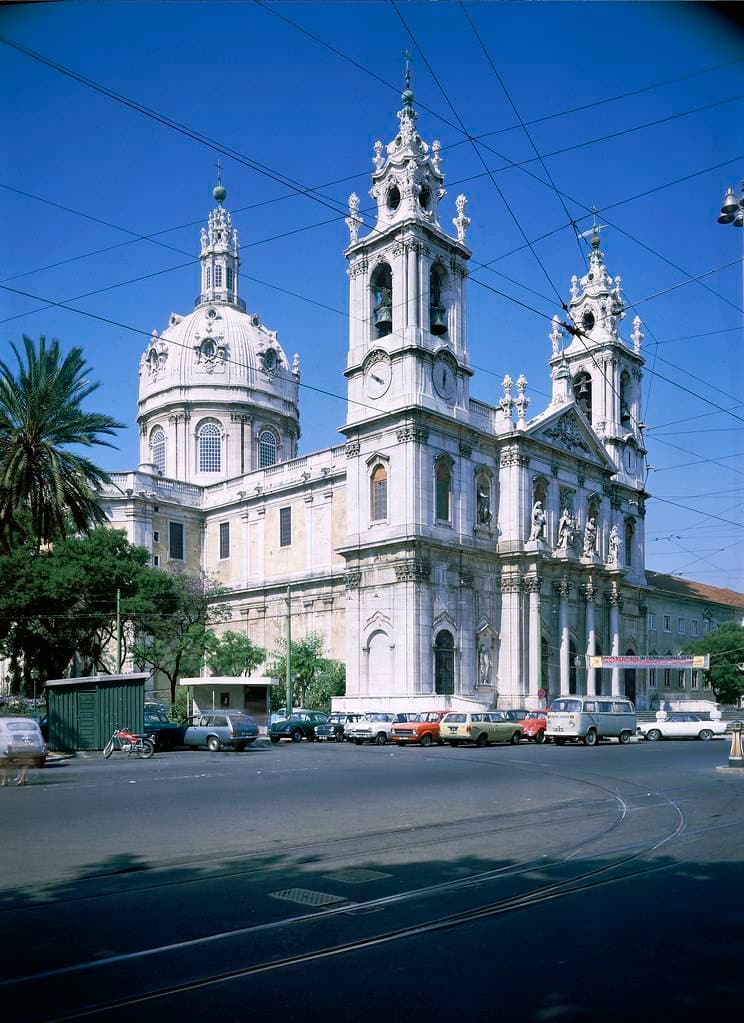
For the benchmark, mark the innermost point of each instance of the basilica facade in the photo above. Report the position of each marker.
(450, 552)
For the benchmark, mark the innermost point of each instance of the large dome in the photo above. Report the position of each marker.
(217, 380)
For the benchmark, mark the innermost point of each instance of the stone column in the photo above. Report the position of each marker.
(591, 639)
(565, 654)
(511, 652)
(533, 584)
(613, 598)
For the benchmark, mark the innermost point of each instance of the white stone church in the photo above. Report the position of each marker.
(452, 553)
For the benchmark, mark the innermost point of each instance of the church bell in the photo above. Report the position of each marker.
(438, 319)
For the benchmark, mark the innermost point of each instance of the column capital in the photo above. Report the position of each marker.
(511, 584)
(533, 583)
(613, 597)
(562, 588)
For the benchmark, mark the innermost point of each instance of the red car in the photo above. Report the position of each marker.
(421, 728)
(534, 725)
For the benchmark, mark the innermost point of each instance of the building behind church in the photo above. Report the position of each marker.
(449, 551)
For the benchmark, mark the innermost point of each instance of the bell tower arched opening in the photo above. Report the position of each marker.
(582, 386)
(437, 307)
(381, 285)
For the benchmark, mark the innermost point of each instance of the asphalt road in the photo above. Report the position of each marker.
(314, 881)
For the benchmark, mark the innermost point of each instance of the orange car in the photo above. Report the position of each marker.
(422, 729)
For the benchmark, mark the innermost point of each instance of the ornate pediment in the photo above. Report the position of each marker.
(569, 431)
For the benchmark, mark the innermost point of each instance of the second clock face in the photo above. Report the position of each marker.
(377, 379)
(445, 379)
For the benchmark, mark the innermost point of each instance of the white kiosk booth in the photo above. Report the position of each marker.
(248, 693)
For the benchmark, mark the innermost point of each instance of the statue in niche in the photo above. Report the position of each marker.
(483, 499)
(538, 522)
(566, 530)
(614, 545)
(590, 538)
(484, 665)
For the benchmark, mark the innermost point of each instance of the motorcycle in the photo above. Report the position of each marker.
(129, 743)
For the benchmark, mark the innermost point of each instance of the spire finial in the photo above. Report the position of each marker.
(407, 94)
(219, 191)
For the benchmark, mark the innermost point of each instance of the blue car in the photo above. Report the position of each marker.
(220, 729)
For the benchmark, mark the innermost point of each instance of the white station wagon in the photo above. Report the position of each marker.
(681, 726)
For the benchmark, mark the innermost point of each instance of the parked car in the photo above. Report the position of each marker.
(220, 729)
(516, 713)
(459, 727)
(589, 719)
(21, 742)
(333, 729)
(422, 729)
(376, 726)
(681, 726)
(301, 725)
(165, 733)
(534, 725)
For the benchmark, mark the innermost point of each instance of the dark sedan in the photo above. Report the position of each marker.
(165, 733)
(333, 729)
(301, 725)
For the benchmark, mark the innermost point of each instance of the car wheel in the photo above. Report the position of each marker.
(590, 739)
(380, 739)
(624, 738)
(274, 739)
(540, 737)
(516, 739)
(705, 734)
(482, 740)
(213, 744)
(426, 740)
(297, 735)
(653, 735)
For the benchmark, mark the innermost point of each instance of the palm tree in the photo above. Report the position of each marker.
(40, 418)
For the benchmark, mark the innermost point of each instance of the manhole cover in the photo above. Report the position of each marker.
(356, 875)
(305, 897)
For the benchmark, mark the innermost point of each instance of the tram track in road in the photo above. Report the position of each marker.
(580, 883)
(360, 912)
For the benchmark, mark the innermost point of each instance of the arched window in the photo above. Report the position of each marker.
(437, 308)
(266, 449)
(378, 494)
(157, 449)
(443, 491)
(582, 386)
(230, 278)
(209, 277)
(625, 398)
(382, 300)
(209, 447)
(629, 532)
(218, 275)
(444, 664)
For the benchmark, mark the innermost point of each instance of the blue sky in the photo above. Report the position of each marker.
(239, 74)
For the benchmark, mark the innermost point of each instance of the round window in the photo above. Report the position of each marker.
(393, 198)
(587, 320)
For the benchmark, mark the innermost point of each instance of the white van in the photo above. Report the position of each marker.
(21, 742)
(590, 718)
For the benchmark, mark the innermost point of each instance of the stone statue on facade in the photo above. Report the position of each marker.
(483, 498)
(614, 545)
(539, 521)
(566, 530)
(484, 666)
(590, 538)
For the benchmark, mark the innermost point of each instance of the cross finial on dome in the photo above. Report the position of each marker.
(407, 94)
(219, 191)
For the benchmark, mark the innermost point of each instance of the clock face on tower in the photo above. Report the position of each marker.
(377, 378)
(444, 378)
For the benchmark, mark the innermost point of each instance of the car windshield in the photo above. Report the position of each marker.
(535, 715)
(21, 726)
(156, 715)
(566, 706)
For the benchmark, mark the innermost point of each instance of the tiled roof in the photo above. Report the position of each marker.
(691, 588)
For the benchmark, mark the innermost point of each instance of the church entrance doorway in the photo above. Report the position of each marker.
(444, 664)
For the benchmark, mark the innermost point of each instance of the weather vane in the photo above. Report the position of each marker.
(408, 58)
(219, 173)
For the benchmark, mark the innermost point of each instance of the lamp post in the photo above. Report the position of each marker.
(732, 212)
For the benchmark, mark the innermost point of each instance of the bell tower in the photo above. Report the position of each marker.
(605, 372)
(407, 307)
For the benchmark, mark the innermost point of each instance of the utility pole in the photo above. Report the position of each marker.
(118, 632)
(289, 652)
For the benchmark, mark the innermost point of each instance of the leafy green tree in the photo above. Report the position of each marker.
(232, 653)
(59, 603)
(726, 648)
(41, 417)
(315, 676)
(173, 617)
